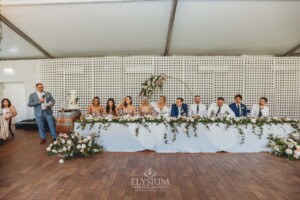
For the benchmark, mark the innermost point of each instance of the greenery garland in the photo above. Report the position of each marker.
(188, 123)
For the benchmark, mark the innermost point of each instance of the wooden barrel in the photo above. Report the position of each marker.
(65, 120)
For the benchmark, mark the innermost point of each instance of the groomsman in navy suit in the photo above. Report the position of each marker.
(239, 109)
(179, 108)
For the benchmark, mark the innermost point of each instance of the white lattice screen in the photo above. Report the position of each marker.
(210, 77)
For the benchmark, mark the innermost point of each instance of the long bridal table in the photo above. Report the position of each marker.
(157, 137)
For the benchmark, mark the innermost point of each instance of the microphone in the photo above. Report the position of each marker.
(43, 96)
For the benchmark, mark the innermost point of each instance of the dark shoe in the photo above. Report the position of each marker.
(42, 141)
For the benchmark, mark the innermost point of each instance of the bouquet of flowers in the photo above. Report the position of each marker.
(153, 83)
(287, 147)
(73, 145)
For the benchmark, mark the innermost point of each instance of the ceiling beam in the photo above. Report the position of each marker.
(24, 36)
(171, 25)
(292, 51)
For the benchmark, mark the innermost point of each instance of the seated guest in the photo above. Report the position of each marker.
(219, 109)
(111, 107)
(125, 107)
(161, 106)
(8, 111)
(260, 109)
(145, 108)
(95, 109)
(197, 109)
(179, 109)
(239, 109)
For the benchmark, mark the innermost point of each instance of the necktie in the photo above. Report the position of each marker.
(239, 113)
(197, 109)
(219, 110)
(260, 113)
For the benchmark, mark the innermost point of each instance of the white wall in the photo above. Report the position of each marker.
(25, 72)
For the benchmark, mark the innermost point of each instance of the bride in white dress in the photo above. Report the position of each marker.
(161, 106)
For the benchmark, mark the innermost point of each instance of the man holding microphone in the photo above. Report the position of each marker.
(43, 102)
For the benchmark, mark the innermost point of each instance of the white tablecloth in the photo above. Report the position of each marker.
(120, 138)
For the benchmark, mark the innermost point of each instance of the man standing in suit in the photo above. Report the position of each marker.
(179, 109)
(42, 102)
(239, 109)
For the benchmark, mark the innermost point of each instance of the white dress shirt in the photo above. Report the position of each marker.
(41, 94)
(225, 109)
(193, 110)
(255, 111)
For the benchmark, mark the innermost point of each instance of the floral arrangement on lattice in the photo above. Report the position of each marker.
(152, 84)
(288, 147)
(68, 146)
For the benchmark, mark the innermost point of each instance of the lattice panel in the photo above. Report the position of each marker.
(210, 77)
(50, 73)
(259, 81)
(228, 77)
(108, 79)
(174, 67)
(199, 76)
(79, 77)
(286, 87)
(135, 71)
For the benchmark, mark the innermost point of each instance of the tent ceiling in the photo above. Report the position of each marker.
(83, 28)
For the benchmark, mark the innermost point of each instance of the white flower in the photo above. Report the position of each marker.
(289, 151)
(95, 150)
(54, 151)
(276, 148)
(212, 119)
(55, 142)
(297, 154)
(291, 145)
(290, 140)
(89, 137)
(144, 121)
(79, 141)
(51, 145)
(83, 146)
(63, 141)
(253, 121)
(85, 140)
(78, 146)
(61, 161)
(69, 142)
(64, 149)
(192, 120)
(109, 119)
(48, 149)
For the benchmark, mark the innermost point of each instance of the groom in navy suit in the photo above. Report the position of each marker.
(239, 109)
(179, 108)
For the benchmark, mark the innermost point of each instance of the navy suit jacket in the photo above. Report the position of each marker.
(184, 110)
(233, 107)
(34, 101)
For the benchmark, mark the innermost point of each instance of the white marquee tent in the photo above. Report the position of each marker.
(85, 28)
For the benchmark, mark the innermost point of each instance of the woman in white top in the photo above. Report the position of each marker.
(145, 108)
(161, 106)
(125, 107)
(8, 111)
